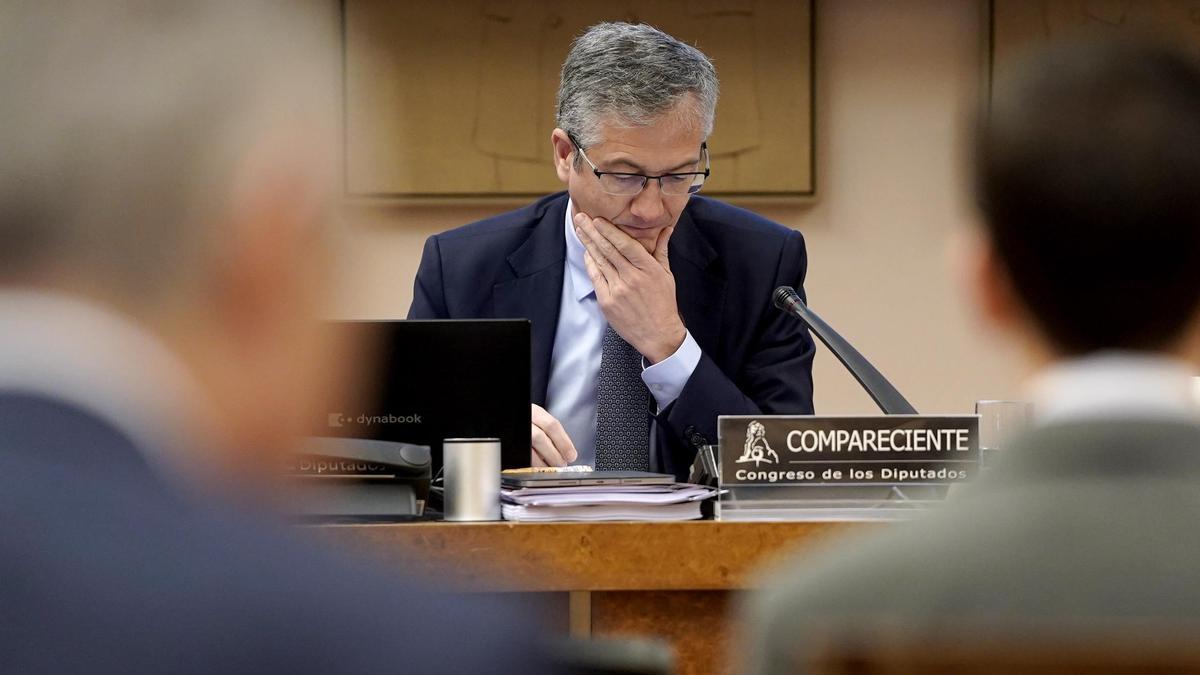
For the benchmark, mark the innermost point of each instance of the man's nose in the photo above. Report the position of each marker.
(648, 204)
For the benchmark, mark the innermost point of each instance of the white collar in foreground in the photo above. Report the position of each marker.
(68, 349)
(1115, 383)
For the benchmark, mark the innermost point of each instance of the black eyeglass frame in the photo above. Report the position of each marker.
(692, 189)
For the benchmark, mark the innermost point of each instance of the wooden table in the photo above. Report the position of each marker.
(667, 580)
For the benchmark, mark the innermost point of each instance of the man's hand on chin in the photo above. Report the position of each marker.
(635, 289)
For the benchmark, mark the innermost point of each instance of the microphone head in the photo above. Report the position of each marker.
(785, 297)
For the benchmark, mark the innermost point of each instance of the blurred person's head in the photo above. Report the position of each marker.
(168, 159)
(1088, 170)
(632, 99)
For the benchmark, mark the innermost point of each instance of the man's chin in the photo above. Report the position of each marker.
(647, 238)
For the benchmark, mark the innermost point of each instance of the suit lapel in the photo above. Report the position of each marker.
(699, 289)
(536, 291)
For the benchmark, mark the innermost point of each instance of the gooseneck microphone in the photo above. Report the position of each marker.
(890, 401)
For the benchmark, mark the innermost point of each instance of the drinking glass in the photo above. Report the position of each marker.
(999, 422)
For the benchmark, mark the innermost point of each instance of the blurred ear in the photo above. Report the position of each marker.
(269, 254)
(266, 362)
(1188, 345)
(564, 154)
(989, 289)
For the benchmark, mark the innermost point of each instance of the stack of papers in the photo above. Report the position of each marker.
(677, 501)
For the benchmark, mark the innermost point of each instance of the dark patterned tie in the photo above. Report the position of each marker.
(622, 408)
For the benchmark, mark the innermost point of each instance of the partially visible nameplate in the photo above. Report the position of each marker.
(895, 450)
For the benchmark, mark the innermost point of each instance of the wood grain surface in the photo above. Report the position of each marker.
(696, 555)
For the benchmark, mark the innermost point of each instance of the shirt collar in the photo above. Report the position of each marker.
(74, 351)
(1114, 383)
(581, 283)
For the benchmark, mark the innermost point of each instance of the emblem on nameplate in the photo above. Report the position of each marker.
(756, 448)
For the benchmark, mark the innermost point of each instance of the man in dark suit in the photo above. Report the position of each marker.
(651, 307)
(1087, 167)
(162, 260)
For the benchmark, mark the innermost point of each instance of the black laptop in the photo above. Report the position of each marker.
(433, 380)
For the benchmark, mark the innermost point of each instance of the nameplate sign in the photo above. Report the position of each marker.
(809, 450)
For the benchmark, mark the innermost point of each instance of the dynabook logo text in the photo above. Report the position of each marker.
(338, 419)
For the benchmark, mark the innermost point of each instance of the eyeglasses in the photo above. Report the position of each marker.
(629, 184)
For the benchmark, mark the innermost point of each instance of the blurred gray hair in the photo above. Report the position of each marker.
(635, 73)
(125, 124)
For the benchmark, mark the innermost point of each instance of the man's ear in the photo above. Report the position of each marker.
(268, 256)
(1188, 348)
(988, 285)
(564, 154)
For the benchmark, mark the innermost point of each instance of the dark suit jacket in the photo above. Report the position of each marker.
(726, 262)
(103, 568)
(1086, 523)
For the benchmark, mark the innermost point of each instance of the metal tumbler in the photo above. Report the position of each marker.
(472, 487)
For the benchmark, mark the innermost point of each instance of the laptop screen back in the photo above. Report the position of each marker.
(434, 380)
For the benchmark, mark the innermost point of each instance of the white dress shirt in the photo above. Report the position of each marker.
(575, 361)
(1114, 384)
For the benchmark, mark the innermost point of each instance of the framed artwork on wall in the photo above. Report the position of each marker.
(1019, 24)
(456, 99)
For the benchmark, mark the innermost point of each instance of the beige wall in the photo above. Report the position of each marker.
(894, 79)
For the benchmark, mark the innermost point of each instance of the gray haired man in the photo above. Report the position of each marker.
(650, 306)
(162, 261)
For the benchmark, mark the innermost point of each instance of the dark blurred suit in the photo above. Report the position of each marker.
(104, 568)
(1080, 521)
(726, 262)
